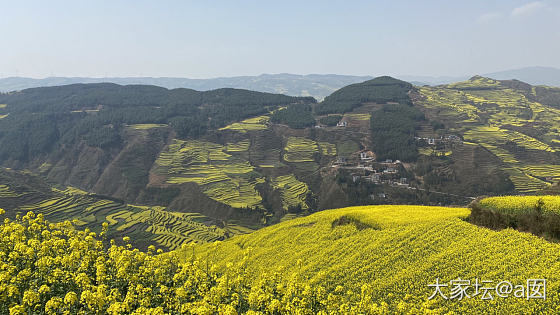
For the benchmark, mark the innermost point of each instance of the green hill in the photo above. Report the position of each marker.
(379, 90)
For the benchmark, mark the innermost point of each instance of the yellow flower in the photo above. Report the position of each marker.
(71, 298)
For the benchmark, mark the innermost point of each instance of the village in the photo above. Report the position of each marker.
(363, 165)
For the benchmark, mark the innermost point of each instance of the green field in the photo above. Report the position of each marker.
(346, 148)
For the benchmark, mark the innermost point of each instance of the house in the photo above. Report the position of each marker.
(431, 141)
(374, 178)
(389, 170)
(366, 156)
(453, 138)
(342, 124)
(340, 161)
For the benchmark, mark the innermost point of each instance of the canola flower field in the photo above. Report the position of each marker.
(254, 123)
(358, 260)
(300, 149)
(382, 259)
(521, 204)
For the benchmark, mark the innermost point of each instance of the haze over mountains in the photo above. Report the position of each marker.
(316, 85)
(532, 75)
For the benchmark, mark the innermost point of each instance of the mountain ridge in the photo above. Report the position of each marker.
(317, 85)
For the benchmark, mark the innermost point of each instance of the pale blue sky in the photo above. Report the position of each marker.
(201, 39)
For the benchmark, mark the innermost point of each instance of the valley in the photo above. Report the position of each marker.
(175, 180)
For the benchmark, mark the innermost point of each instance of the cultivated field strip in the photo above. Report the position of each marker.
(254, 123)
(221, 176)
(299, 149)
(166, 228)
(293, 191)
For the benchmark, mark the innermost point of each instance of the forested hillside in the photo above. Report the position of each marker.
(37, 119)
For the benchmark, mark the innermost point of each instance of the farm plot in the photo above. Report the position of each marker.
(221, 176)
(254, 123)
(293, 191)
(166, 228)
(146, 126)
(300, 149)
(327, 148)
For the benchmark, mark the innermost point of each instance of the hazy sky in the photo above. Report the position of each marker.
(201, 39)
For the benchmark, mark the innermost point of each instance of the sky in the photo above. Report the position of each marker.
(205, 39)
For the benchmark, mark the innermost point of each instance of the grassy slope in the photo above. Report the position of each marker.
(406, 248)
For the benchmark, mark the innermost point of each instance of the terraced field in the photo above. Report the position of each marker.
(543, 170)
(430, 151)
(300, 149)
(240, 146)
(364, 116)
(166, 228)
(7, 192)
(501, 119)
(254, 123)
(524, 182)
(146, 126)
(293, 191)
(497, 136)
(221, 176)
(327, 148)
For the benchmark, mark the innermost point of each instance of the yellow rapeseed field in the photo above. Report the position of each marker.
(359, 260)
(521, 204)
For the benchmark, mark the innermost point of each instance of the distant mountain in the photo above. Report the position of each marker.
(316, 85)
(532, 75)
(420, 80)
